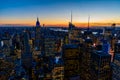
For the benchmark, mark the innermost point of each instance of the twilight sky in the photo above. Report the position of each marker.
(58, 12)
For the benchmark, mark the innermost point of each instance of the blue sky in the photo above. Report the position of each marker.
(58, 11)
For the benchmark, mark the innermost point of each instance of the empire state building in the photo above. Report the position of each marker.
(38, 23)
(37, 35)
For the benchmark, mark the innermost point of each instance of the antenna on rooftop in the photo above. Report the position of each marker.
(71, 16)
(37, 19)
(88, 22)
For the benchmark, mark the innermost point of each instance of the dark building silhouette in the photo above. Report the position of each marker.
(116, 62)
(71, 55)
(26, 55)
(37, 35)
(85, 72)
(100, 66)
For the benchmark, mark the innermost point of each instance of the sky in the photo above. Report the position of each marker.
(58, 12)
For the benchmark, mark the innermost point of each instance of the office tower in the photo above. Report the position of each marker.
(116, 62)
(47, 67)
(58, 73)
(37, 35)
(114, 36)
(74, 33)
(113, 28)
(6, 46)
(1, 43)
(71, 56)
(58, 70)
(108, 33)
(105, 46)
(85, 68)
(66, 39)
(16, 41)
(6, 41)
(117, 47)
(26, 55)
(50, 45)
(116, 67)
(100, 65)
(71, 29)
(113, 40)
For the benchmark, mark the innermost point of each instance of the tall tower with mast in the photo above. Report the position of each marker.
(37, 22)
(71, 29)
(88, 23)
(71, 16)
(37, 35)
(71, 26)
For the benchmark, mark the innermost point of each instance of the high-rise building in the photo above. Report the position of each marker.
(50, 47)
(85, 68)
(26, 55)
(16, 41)
(117, 47)
(116, 62)
(100, 65)
(58, 70)
(71, 29)
(71, 56)
(37, 35)
(6, 46)
(38, 23)
(116, 67)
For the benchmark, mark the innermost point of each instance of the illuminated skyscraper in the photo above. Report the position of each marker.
(116, 62)
(101, 65)
(85, 67)
(71, 29)
(116, 67)
(71, 55)
(58, 70)
(6, 46)
(50, 45)
(117, 47)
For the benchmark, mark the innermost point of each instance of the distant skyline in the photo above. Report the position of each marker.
(58, 12)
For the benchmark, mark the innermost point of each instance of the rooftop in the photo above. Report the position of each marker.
(70, 46)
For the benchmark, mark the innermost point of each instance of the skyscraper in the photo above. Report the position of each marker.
(50, 45)
(37, 35)
(116, 62)
(71, 55)
(101, 65)
(85, 67)
(38, 23)
(26, 55)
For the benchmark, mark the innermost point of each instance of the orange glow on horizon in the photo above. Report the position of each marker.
(64, 25)
(58, 23)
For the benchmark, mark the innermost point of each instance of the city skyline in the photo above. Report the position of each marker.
(58, 12)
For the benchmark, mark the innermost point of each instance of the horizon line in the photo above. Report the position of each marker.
(77, 24)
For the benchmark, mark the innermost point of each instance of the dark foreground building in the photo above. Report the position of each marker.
(100, 66)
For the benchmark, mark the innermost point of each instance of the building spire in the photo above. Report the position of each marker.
(37, 19)
(37, 22)
(88, 22)
(71, 16)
